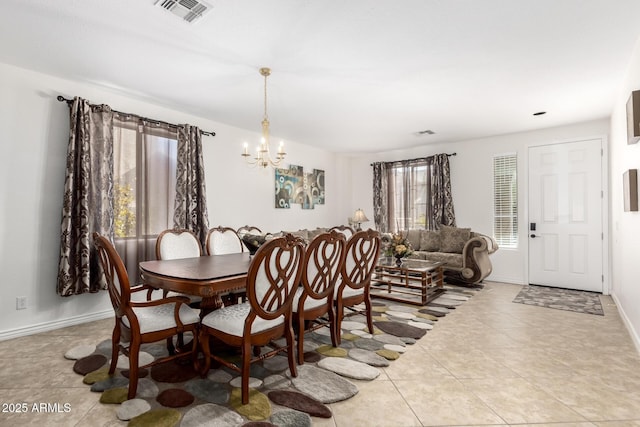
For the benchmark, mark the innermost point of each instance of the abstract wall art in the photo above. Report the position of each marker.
(294, 186)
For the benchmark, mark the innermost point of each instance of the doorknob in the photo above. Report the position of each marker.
(533, 236)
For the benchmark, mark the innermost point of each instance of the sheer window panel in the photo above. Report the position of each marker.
(145, 158)
(410, 196)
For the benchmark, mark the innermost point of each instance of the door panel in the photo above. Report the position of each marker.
(565, 203)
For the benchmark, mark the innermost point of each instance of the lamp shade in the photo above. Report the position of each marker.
(360, 217)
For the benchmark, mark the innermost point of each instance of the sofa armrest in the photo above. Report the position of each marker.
(476, 264)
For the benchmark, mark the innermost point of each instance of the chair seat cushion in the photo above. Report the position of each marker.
(192, 298)
(348, 292)
(161, 317)
(230, 320)
(309, 303)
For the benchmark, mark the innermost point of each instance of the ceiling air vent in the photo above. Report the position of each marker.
(189, 10)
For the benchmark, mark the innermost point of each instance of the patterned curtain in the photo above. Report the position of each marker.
(191, 198)
(381, 196)
(399, 186)
(88, 197)
(441, 197)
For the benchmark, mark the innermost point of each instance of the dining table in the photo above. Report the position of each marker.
(208, 276)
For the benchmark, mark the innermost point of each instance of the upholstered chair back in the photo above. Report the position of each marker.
(274, 275)
(223, 240)
(323, 263)
(362, 254)
(176, 244)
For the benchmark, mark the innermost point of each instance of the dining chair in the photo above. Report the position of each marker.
(274, 274)
(354, 285)
(138, 323)
(321, 268)
(178, 243)
(248, 229)
(223, 240)
(344, 229)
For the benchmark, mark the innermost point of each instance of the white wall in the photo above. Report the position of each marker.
(32, 161)
(472, 183)
(625, 226)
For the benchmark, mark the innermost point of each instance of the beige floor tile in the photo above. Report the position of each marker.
(594, 398)
(628, 423)
(532, 362)
(323, 422)
(581, 424)
(518, 401)
(445, 401)
(416, 363)
(377, 404)
(473, 363)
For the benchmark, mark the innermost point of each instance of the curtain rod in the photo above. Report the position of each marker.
(70, 101)
(418, 158)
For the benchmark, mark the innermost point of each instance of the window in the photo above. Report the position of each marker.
(144, 179)
(144, 188)
(410, 195)
(505, 200)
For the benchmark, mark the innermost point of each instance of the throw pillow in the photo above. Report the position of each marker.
(413, 236)
(429, 240)
(453, 239)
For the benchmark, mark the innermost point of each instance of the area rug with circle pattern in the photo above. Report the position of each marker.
(174, 394)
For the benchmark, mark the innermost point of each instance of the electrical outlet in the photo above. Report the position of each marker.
(21, 303)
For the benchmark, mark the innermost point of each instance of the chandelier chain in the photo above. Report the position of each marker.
(265, 97)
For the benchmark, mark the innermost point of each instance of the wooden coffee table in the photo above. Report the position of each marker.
(415, 282)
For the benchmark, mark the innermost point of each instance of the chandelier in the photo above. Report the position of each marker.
(262, 156)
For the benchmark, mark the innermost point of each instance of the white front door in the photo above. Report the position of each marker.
(565, 215)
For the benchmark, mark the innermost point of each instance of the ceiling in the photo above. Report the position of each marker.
(348, 76)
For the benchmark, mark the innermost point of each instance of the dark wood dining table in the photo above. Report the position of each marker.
(209, 276)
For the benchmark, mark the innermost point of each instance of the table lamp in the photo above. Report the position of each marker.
(358, 218)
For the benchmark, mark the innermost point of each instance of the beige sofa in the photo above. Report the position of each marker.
(465, 253)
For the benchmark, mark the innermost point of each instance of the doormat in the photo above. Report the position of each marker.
(560, 299)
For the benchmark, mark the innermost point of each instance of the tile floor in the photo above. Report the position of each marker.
(489, 363)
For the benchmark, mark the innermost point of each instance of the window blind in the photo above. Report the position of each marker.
(505, 200)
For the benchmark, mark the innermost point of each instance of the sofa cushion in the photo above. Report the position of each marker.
(429, 240)
(453, 238)
(413, 236)
(450, 260)
(314, 233)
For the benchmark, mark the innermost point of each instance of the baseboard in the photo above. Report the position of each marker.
(501, 279)
(57, 324)
(627, 323)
